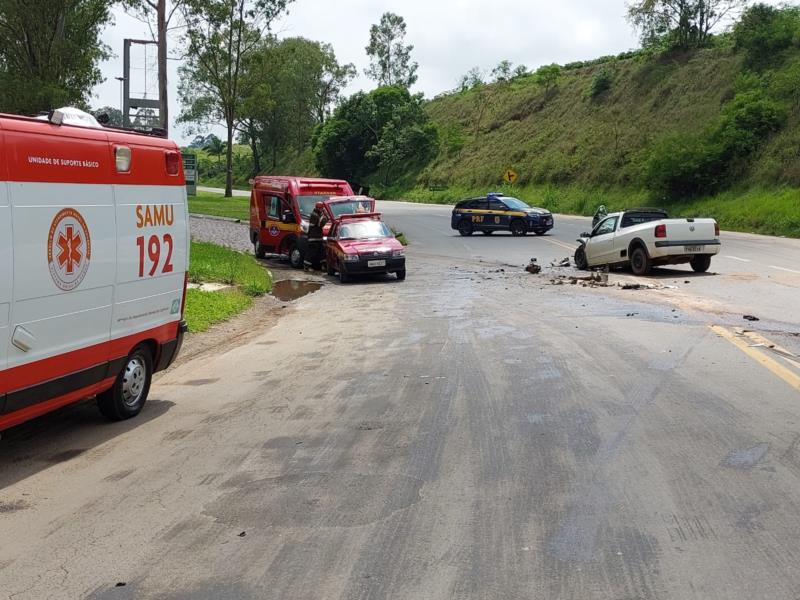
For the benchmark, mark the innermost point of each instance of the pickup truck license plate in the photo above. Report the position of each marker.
(694, 249)
(376, 263)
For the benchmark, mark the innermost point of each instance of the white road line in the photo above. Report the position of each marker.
(783, 269)
(736, 258)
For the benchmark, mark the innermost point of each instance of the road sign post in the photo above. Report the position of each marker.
(190, 173)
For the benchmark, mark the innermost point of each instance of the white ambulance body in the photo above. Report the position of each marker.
(93, 258)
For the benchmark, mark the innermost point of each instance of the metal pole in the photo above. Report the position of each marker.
(126, 84)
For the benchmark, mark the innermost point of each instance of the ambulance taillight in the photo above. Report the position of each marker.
(173, 163)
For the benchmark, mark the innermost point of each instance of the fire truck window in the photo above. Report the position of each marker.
(274, 207)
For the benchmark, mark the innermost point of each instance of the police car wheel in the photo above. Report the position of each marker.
(518, 228)
(540, 232)
(127, 396)
(465, 228)
(487, 232)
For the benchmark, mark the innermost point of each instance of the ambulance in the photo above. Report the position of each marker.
(279, 211)
(94, 250)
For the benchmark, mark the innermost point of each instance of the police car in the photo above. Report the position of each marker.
(496, 212)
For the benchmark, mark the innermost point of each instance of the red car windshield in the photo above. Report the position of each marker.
(364, 230)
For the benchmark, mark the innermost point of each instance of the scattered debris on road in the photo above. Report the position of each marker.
(533, 267)
(750, 318)
(564, 262)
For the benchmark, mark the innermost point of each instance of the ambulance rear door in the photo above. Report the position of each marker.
(152, 244)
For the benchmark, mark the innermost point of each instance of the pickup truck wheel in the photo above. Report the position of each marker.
(580, 259)
(518, 228)
(296, 257)
(129, 393)
(700, 263)
(401, 275)
(640, 261)
(465, 228)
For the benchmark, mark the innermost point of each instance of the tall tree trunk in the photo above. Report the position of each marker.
(229, 162)
(163, 103)
(256, 152)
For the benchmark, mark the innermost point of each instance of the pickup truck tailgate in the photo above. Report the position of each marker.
(689, 236)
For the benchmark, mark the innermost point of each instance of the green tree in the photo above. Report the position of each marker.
(289, 86)
(681, 24)
(471, 79)
(220, 37)
(49, 52)
(372, 132)
(547, 76)
(502, 72)
(764, 32)
(390, 59)
(215, 147)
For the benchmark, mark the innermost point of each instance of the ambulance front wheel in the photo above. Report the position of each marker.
(129, 392)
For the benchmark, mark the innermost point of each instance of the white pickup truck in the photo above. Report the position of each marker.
(646, 238)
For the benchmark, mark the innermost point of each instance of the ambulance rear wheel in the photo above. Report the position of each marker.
(465, 228)
(259, 250)
(296, 257)
(129, 393)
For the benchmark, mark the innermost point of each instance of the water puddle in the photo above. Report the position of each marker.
(292, 289)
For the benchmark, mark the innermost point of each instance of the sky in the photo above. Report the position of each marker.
(449, 37)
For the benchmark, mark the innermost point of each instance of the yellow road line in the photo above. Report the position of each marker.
(562, 244)
(741, 342)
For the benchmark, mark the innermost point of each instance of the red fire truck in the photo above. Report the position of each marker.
(279, 211)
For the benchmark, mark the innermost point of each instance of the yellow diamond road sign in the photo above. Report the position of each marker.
(510, 176)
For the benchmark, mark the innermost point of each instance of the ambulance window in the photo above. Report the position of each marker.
(274, 210)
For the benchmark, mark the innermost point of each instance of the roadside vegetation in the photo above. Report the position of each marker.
(214, 264)
(215, 204)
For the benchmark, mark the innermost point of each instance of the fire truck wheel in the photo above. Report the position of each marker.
(259, 250)
(127, 397)
(296, 257)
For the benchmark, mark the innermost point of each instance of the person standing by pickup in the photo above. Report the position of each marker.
(316, 225)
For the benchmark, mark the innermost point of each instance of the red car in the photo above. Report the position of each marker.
(359, 243)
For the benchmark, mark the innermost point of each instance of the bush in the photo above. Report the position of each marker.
(601, 82)
(684, 167)
(764, 32)
(746, 121)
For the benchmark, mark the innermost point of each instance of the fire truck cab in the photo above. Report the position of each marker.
(279, 211)
(94, 248)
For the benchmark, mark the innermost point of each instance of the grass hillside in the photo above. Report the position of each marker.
(580, 143)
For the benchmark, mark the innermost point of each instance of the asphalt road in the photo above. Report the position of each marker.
(472, 432)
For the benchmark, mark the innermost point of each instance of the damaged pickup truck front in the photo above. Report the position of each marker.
(645, 238)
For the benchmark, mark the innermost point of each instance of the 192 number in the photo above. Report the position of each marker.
(153, 248)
